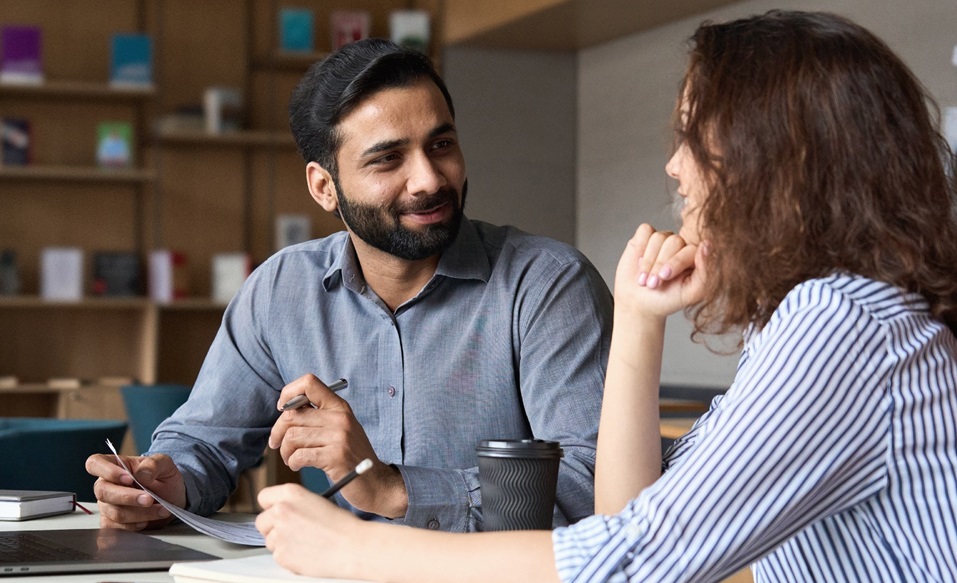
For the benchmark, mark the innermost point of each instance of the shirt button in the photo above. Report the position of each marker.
(433, 524)
(391, 391)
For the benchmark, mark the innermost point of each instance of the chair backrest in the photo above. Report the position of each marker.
(313, 479)
(50, 454)
(149, 405)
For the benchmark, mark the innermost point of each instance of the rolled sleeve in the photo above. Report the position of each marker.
(441, 499)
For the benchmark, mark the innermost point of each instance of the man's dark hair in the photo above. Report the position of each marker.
(336, 85)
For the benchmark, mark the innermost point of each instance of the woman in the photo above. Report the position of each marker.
(819, 219)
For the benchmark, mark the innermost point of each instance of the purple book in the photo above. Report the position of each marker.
(20, 56)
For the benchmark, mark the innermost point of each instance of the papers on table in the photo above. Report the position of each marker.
(242, 533)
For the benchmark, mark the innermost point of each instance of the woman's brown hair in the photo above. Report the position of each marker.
(822, 155)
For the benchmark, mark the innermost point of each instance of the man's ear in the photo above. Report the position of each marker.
(322, 187)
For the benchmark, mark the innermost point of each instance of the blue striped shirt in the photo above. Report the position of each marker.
(832, 457)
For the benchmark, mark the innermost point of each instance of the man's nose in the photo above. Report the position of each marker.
(425, 177)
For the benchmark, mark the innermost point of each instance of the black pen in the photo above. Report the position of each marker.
(302, 400)
(363, 466)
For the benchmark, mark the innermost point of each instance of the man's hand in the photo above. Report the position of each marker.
(122, 503)
(330, 437)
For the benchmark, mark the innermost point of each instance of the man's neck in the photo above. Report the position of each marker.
(393, 279)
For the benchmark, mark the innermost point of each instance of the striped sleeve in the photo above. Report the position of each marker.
(800, 435)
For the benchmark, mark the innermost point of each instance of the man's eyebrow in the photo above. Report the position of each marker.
(442, 129)
(390, 144)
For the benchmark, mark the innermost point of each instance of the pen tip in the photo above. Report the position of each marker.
(363, 466)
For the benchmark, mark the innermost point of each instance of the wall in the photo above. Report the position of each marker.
(626, 90)
(516, 116)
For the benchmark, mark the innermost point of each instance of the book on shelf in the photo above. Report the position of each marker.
(131, 60)
(61, 273)
(21, 54)
(295, 30)
(222, 109)
(116, 273)
(114, 144)
(167, 275)
(29, 504)
(410, 28)
(348, 26)
(64, 383)
(292, 229)
(252, 569)
(17, 142)
(9, 273)
(230, 270)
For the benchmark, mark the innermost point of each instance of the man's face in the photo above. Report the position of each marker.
(401, 186)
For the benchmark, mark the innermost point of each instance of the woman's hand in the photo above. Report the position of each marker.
(295, 523)
(658, 274)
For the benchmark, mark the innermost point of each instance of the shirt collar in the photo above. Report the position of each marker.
(464, 259)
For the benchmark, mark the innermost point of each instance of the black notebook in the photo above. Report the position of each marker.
(27, 552)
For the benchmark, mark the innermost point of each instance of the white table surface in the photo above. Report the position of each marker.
(180, 534)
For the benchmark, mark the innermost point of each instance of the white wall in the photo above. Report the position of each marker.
(626, 92)
(516, 114)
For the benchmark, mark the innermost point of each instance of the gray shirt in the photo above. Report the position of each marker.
(509, 339)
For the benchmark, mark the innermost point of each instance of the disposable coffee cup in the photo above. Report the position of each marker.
(518, 478)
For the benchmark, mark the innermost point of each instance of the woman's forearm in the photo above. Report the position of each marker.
(629, 443)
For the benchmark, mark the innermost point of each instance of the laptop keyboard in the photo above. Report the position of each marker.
(25, 547)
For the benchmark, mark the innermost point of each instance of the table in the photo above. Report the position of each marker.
(180, 534)
(675, 427)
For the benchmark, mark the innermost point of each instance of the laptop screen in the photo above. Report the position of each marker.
(26, 552)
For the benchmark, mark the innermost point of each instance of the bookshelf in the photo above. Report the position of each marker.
(188, 190)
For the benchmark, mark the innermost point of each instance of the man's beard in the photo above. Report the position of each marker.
(382, 228)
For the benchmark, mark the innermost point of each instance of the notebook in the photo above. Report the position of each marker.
(27, 552)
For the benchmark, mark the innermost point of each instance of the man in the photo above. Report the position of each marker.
(449, 331)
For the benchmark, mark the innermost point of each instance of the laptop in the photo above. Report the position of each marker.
(28, 552)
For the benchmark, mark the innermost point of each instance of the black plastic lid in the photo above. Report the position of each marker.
(526, 448)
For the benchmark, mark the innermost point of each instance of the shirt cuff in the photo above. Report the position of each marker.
(441, 499)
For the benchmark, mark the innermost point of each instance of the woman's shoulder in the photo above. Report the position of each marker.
(847, 292)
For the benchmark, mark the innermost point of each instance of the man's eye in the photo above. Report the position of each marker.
(441, 144)
(386, 159)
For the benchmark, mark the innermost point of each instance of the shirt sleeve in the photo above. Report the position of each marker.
(800, 435)
(223, 427)
(564, 323)
(565, 335)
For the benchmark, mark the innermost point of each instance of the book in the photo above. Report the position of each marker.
(168, 276)
(410, 28)
(116, 273)
(9, 273)
(61, 273)
(252, 569)
(295, 30)
(292, 229)
(222, 109)
(114, 144)
(348, 26)
(229, 272)
(29, 504)
(131, 60)
(15, 133)
(21, 59)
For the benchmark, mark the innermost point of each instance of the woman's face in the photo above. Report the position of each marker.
(692, 191)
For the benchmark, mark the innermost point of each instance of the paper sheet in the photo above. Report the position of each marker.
(241, 533)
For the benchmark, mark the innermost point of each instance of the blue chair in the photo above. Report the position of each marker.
(314, 480)
(50, 454)
(149, 405)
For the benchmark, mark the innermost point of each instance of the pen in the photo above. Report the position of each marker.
(302, 400)
(363, 466)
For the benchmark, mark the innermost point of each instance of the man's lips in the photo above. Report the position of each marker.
(429, 215)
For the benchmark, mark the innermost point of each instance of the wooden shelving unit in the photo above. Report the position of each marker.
(195, 192)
